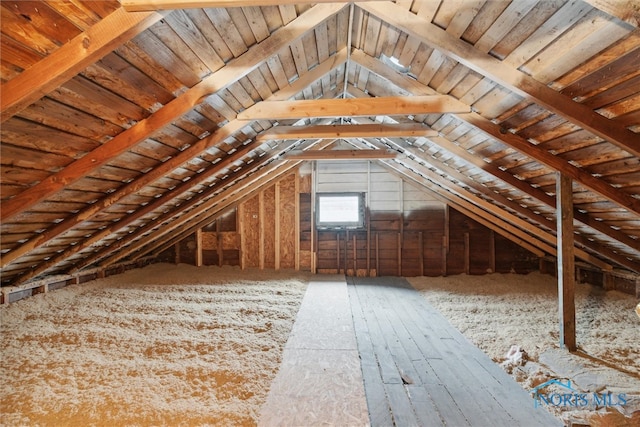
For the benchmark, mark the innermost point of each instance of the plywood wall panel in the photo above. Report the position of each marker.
(250, 220)
(268, 228)
(287, 219)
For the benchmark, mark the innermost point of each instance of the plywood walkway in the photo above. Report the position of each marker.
(375, 352)
(420, 371)
(319, 382)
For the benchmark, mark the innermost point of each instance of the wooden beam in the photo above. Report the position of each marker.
(525, 212)
(373, 130)
(381, 106)
(71, 58)
(461, 205)
(166, 167)
(202, 214)
(601, 187)
(505, 75)
(341, 155)
(229, 74)
(566, 262)
(557, 163)
(626, 10)
(145, 5)
(229, 129)
(517, 226)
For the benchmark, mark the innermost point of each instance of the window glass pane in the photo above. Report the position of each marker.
(339, 209)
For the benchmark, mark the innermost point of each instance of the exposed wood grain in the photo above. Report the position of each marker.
(353, 107)
(71, 58)
(507, 76)
(514, 225)
(566, 264)
(147, 5)
(537, 153)
(341, 155)
(213, 83)
(445, 380)
(626, 10)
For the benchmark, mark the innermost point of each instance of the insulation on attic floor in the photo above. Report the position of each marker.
(174, 344)
(163, 345)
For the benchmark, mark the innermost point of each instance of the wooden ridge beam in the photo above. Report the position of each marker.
(145, 5)
(222, 78)
(341, 155)
(381, 106)
(343, 131)
(601, 187)
(71, 58)
(162, 169)
(505, 75)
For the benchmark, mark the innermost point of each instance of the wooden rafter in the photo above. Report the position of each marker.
(146, 5)
(266, 179)
(517, 226)
(266, 174)
(71, 58)
(381, 106)
(370, 130)
(166, 167)
(139, 214)
(601, 187)
(229, 74)
(505, 75)
(497, 225)
(517, 207)
(626, 10)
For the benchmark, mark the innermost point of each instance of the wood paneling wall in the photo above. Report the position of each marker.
(407, 232)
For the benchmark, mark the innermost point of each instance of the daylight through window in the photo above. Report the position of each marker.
(340, 210)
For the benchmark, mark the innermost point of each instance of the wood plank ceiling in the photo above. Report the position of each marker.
(123, 131)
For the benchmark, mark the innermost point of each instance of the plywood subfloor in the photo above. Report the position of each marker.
(420, 371)
(319, 381)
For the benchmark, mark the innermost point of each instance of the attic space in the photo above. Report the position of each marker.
(165, 169)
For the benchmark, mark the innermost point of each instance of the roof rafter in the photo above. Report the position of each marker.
(379, 106)
(516, 207)
(517, 226)
(601, 187)
(229, 74)
(257, 179)
(183, 157)
(537, 194)
(144, 5)
(507, 76)
(626, 10)
(71, 58)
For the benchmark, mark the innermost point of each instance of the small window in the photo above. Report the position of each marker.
(340, 210)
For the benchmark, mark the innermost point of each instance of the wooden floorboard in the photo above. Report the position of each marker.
(420, 371)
